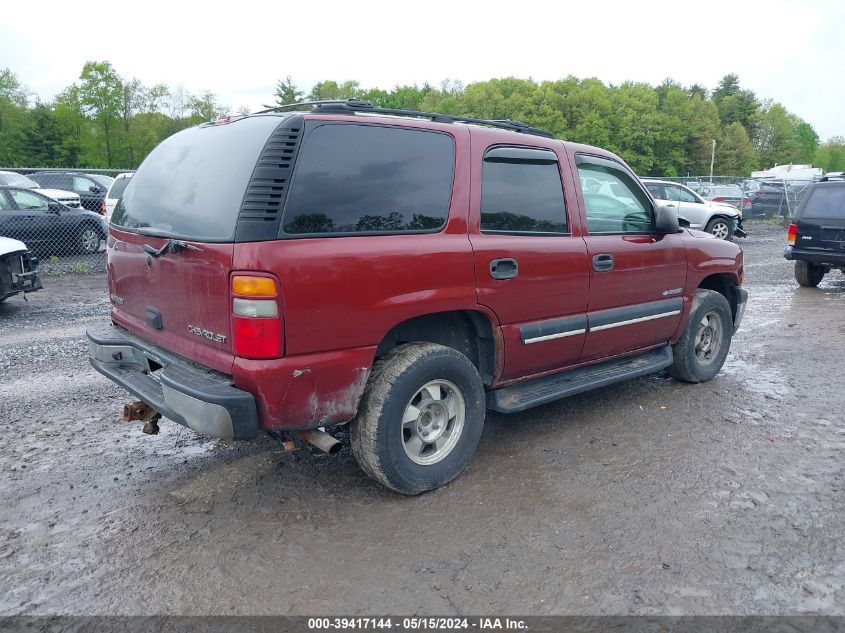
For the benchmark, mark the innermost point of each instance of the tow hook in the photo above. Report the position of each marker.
(145, 413)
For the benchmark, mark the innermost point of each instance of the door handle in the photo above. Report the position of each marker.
(603, 263)
(506, 268)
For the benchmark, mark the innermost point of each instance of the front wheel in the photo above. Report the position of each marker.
(420, 418)
(808, 275)
(720, 228)
(701, 351)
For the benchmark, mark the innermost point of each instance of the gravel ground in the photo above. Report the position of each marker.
(649, 497)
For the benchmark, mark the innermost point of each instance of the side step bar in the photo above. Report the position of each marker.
(537, 391)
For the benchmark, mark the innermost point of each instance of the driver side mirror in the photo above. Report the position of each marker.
(94, 189)
(666, 220)
(54, 207)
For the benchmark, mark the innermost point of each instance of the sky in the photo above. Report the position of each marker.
(790, 52)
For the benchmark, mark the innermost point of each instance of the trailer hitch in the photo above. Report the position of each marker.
(141, 411)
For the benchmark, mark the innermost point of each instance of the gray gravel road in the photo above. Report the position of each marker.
(648, 497)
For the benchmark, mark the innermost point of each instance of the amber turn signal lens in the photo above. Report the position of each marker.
(247, 285)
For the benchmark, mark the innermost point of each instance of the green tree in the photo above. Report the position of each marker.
(101, 98)
(331, 90)
(14, 119)
(287, 92)
(831, 155)
(735, 155)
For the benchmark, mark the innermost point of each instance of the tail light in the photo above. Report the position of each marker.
(746, 202)
(718, 199)
(256, 316)
(103, 209)
(793, 233)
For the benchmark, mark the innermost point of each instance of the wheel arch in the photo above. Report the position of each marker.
(724, 284)
(471, 332)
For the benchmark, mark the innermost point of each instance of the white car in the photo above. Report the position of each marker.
(114, 193)
(18, 269)
(14, 179)
(722, 220)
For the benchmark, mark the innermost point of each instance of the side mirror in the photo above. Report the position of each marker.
(666, 220)
(54, 207)
(94, 189)
(682, 221)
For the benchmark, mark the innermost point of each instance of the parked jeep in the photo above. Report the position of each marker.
(402, 271)
(816, 238)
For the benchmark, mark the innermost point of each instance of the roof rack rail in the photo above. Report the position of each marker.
(347, 106)
(835, 175)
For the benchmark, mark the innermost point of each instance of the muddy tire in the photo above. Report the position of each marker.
(808, 275)
(703, 347)
(420, 418)
(720, 228)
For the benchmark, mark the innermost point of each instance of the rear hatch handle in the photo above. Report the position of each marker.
(174, 246)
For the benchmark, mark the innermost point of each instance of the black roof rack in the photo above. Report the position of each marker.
(838, 175)
(352, 106)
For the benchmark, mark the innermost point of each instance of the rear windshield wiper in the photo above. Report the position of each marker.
(173, 246)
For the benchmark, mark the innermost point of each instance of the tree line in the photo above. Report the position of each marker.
(104, 120)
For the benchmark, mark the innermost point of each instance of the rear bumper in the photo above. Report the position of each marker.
(832, 258)
(195, 397)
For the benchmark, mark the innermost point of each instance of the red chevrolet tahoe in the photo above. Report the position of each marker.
(402, 271)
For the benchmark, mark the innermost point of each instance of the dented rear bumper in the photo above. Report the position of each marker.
(198, 398)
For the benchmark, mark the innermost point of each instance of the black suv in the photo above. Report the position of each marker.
(817, 235)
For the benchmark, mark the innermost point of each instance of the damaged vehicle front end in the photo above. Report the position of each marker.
(18, 269)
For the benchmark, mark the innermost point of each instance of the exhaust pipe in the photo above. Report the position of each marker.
(321, 440)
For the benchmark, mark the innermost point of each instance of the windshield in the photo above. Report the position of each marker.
(192, 185)
(726, 191)
(17, 180)
(105, 181)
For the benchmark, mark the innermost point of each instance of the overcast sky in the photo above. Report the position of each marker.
(791, 52)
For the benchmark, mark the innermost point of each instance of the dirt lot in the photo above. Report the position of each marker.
(647, 497)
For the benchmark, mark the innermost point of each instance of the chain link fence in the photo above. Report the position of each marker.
(61, 214)
(757, 197)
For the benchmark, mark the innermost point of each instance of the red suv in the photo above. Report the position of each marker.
(402, 271)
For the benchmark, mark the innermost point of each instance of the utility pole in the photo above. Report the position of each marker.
(712, 159)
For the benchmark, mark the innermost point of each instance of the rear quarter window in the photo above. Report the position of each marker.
(825, 203)
(364, 179)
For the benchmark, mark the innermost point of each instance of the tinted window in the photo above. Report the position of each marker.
(522, 197)
(370, 179)
(825, 203)
(621, 206)
(118, 187)
(655, 190)
(192, 185)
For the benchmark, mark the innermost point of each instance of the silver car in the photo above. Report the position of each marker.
(722, 220)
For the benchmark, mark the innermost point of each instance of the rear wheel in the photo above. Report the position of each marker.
(807, 274)
(420, 418)
(701, 351)
(88, 240)
(719, 227)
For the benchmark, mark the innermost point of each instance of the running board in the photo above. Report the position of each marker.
(537, 391)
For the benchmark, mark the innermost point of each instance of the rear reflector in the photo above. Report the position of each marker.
(251, 286)
(263, 308)
(793, 233)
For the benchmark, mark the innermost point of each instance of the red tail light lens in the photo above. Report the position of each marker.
(718, 199)
(103, 209)
(746, 202)
(257, 329)
(793, 233)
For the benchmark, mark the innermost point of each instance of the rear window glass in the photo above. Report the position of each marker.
(118, 187)
(192, 185)
(105, 181)
(370, 179)
(522, 198)
(826, 203)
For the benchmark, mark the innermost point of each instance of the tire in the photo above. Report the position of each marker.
(699, 355)
(422, 384)
(720, 228)
(88, 239)
(808, 275)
